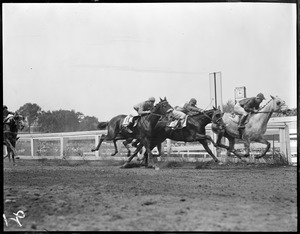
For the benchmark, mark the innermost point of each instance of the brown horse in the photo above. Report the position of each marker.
(144, 131)
(115, 132)
(194, 131)
(10, 132)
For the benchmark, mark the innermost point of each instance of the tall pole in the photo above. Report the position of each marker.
(215, 86)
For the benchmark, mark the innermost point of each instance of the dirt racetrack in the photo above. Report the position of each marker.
(58, 195)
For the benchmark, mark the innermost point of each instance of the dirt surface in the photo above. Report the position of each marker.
(100, 196)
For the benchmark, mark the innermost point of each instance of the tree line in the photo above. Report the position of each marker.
(56, 121)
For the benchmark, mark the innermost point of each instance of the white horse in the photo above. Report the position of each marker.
(255, 127)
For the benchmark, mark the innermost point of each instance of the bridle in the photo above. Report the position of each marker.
(279, 111)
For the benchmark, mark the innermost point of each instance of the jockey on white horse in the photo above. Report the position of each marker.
(244, 106)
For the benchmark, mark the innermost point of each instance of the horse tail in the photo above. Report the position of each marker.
(102, 125)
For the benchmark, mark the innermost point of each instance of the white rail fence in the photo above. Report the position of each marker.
(281, 133)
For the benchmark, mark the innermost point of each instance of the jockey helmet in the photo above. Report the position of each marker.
(4, 107)
(151, 99)
(193, 101)
(261, 96)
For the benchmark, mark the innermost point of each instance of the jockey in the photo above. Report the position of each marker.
(6, 112)
(244, 106)
(176, 114)
(190, 107)
(141, 109)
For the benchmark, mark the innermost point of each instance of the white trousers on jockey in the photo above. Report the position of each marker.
(238, 109)
(178, 114)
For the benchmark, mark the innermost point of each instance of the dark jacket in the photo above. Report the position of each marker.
(6, 113)
(249, 104)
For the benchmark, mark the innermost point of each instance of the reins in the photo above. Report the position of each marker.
(266, 111)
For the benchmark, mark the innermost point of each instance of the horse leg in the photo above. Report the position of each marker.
(139, 147)
(200, 137)
(125, 143)
(116, 149)
(219, 144)
(205, 145)
(99, 144)
(263, 141)
(231, 148)
(247, 146)
(11, 149)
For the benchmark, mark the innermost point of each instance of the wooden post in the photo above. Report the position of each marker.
(288, 144)
(169, 148)
(63, 146)
(285, 147)
(33, 146)
(97, 139)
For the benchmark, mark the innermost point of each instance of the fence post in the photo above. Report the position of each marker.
(97, 139)
(285, 147)
(169, 148)
(33, 146)
(63, 146)
(288, 148)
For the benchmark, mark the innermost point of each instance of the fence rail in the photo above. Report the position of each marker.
(75, 145)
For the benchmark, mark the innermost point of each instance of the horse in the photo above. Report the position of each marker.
(194, 131)
(115, 132)
(10, 131)
(255, 127)
(144, 131)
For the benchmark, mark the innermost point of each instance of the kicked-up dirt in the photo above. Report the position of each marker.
(56, 195)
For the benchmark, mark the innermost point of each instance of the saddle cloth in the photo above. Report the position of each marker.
(174, 123)
(127, 120)
(236, 118)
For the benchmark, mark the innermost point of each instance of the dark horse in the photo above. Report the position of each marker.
(144, 130)
(115, 132)
(10, 132)
(194, 131)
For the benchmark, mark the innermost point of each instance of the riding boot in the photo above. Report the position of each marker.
(242, 122)
(241, 125)
(128, 128)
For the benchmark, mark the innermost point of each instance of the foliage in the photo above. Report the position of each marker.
(289, 112)
(88, 123)
(228, 107)
(31, 111)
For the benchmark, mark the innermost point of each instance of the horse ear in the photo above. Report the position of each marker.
(165, 99)
(271, 96)
(160, 99)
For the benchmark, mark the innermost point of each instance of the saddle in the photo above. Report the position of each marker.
(130, 119)
(178, 124)
(236, 118)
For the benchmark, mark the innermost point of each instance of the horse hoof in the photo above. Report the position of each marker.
(124, 165)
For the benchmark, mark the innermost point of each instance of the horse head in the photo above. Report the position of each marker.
(217, 119)
(277, 104)
(162, 107)
(19, 121)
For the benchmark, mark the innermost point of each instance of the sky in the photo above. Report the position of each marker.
(101, 59)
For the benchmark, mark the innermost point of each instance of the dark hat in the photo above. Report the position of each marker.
(261, 96)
